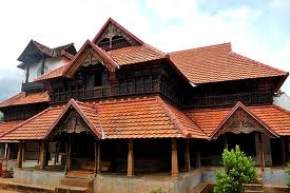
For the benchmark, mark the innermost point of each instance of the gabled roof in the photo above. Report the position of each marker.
(89, 48)
(109, 22)
(115, 119)
(86, 111)
(274, 118)
(241, 106)
(23, 98)
(219, 63)
(42, 50)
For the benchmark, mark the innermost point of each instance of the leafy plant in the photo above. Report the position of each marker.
(159, 190)
(288, 172)
(238, 169)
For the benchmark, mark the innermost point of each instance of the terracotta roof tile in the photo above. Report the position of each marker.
(35, 127)
(218, 63)
(8, 125)
(273, 116)
(23, 98)
(135, 54)
(154, 118)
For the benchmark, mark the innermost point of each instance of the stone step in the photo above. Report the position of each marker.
(253, 186)
(70, 189)
(254, 191)
(76, 182)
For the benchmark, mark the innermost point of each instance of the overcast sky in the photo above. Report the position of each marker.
(259, 29)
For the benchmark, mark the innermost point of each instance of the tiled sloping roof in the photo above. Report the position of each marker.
(121, 56)
(117, 119)
(58, 72)
(147, 117)
(35, 127)
(25, 98)
(273, 116)
(135, 54)
(8, 125)
(218, 63)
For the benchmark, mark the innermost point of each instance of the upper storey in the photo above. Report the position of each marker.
(37, 59)
(117, 63)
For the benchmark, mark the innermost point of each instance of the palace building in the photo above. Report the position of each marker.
(132, 118)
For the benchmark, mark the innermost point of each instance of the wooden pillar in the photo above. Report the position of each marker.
(68, 154)
(19, 155)
(130, 162)
(283, 148)
(6, 151)
(187, 155)
(43, 155)
(23, 152)
(286, 149)
(174, 158)
(262, 152)
(99, 158)
(198, 160)
(96, 157)
(226, 145)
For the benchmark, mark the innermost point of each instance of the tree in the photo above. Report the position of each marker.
(288, 172)
(238, 169)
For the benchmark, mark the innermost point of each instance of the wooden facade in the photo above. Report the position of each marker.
(76, 136)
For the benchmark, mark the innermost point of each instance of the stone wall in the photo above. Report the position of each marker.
(38, 178)
(122, 184)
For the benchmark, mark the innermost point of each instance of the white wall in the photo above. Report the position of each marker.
(283, 101)
(50, 64)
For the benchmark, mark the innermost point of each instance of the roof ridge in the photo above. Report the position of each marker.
(257, 62)
(130, 99)
(203, 47)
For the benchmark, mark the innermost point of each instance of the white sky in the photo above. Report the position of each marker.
(168, 25)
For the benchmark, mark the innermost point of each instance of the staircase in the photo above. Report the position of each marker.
(75, 185)
(254, 188)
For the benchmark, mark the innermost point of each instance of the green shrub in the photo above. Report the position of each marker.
(238, 169)
(159, 190)
(288, 172)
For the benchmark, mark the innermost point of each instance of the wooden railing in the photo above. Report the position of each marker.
(31, 86)
(122, 89)
(226, 100)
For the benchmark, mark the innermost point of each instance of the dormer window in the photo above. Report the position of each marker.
(115, 42)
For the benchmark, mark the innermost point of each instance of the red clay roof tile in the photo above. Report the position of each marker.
(23, 98)
(218, 63)
(276, 118)
(8, 125)
(117, 119)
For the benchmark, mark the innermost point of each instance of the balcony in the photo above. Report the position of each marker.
(254, 98)
(139, 87)
(32, 86)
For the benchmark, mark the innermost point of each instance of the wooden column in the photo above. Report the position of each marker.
(226, 145)
(198, 160)
(43, 155)
(6, 151)
(19, 155)
(262, 152)
(96, 157)
(130, 162)
(174, 159)
(283, 148)
(23, 152)
(187, 155)
(68, 154)
(286, 149)
(99, 158)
